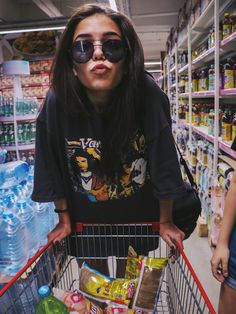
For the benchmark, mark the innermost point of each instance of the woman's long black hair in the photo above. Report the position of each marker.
(124, 114)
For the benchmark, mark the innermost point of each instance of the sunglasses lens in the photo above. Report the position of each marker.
(82, 51)
(113, 50)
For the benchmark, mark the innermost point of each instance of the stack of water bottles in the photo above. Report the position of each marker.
(24, 224)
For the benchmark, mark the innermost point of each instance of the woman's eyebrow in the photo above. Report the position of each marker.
(89, 35)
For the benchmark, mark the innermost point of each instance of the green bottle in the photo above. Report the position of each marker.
(49, 304)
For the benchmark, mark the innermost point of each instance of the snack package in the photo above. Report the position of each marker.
(76, 302)
(95, 284)
(134, 264)
(149, 283)
(114, 308)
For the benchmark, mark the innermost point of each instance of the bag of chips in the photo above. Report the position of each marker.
(149, 283)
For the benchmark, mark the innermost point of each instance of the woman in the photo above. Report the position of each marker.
(104, 148)
(223, 262)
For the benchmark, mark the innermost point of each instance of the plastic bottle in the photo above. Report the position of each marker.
(29, 218)
(14, 252)
(194, 81)
(12, 173)
(211, 119)
(203, 81)
(211, 78)
(234, 127)
(226, 127)
(3, 155)
(49, 304)
(42, 215)
(228, 77)
(226, 25)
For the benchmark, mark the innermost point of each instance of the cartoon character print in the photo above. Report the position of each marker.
(83, 159)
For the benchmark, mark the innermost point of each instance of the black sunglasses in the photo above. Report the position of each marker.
(113, 50)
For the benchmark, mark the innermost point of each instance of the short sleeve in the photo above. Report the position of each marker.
(48, 183)
(164, 167)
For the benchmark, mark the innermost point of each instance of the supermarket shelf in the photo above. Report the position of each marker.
(19, 118)
(205, 19)
(172, 69)
(173, 86)
(205, 57)
(228, 92)
(229, 42)
(20, 147)
(203, 132)
(184, 69)
(184, 95)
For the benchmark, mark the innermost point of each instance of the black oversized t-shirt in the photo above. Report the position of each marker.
(68, 151)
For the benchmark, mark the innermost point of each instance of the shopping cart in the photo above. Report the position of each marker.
(57, 266)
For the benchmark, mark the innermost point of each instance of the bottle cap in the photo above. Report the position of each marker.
(44, 291)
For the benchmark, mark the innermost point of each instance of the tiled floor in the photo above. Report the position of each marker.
(199, 253)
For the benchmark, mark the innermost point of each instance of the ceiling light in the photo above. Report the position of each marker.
(32, 30)
(152, 63)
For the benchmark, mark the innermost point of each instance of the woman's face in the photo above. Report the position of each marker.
(98, 74)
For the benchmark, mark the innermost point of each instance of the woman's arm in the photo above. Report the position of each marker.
(63, 228)
(169, 232)
(221, 254)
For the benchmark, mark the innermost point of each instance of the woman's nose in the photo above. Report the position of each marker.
(98, 53)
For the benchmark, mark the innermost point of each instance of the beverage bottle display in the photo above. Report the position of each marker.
(29, 219)
(13, 173)
(13, 245)
(228, 75)
(226, 25)
(194, 81)
(211, 119)
(233, 23)
(226, 127)
(211, 78)
(203, 81)
(42, 215)
(234, 127)
(49, 304)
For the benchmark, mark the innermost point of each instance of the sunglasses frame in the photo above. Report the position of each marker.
(99, 43)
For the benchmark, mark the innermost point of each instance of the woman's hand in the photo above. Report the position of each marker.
(219, 262)
(171, 234)
(62, 229)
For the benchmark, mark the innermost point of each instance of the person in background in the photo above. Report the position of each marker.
(223, 262)
(104, 146)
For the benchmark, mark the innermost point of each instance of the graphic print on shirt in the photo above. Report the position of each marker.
(83, 158)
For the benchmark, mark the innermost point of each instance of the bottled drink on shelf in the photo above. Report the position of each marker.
(203, 81)
(13, 173)
(226, 126)
(228, 77)
(234, 127)
(49, 304)
(13, 245)
(211, 122)
(226, 25)
(211, 78)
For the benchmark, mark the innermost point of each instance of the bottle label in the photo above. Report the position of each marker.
(226, 132)
(229, 79)
(233, 132)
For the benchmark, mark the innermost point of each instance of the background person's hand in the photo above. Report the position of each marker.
(171, 234)
(219, 262)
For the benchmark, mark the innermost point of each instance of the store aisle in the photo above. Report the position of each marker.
(199, 253)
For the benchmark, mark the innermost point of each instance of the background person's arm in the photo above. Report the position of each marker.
(220, 257)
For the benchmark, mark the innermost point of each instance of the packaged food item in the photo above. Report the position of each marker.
(134, 264)
(95, 284)
(149, 283)
(76, 302)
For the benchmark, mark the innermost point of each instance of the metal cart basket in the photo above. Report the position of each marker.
(57, 266)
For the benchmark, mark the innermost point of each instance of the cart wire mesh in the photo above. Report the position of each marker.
(58, 265)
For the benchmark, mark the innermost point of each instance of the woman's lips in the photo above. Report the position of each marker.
(100, 69)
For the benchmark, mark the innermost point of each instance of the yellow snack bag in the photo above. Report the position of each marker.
(134, 264)
(96, 284)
